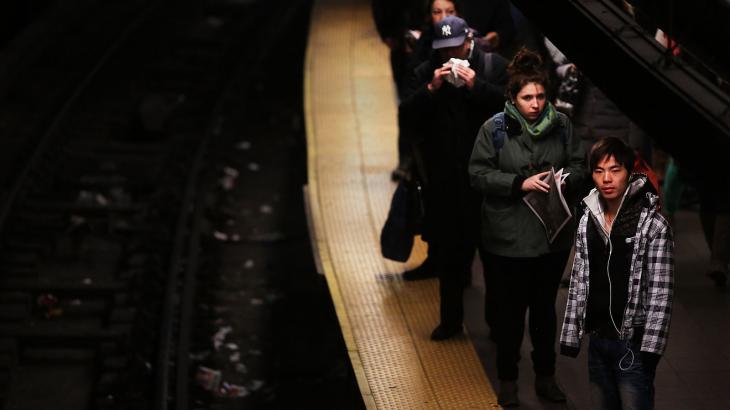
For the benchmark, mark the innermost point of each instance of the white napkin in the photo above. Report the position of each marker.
(453, 77)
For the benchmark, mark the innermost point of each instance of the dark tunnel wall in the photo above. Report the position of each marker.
(17, 15)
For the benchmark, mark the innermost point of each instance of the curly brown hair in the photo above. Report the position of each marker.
(526, 67)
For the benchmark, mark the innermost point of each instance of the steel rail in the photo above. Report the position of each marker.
(188, 282)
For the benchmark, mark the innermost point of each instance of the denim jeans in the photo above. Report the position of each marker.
(618, 378)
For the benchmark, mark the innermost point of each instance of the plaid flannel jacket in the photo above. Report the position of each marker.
(650, 289)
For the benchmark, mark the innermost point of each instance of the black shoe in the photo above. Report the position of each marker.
(548, 389)
(425, 271)
(507, 396)
(443, 332)
(720, 278)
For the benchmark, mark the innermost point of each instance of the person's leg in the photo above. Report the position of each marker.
(635, 379)
(510, 305)
(405, 160)
(456, 259)
(427, 269)
(543, 288)
(707, 221)
(544, 281)
(449, 286)
(489, 309)
(604, 392)
(716, 227)
(466, 261)
(672, 189)
(720, 248)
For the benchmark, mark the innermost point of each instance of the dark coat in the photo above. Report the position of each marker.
(443, 125)
(493, 15)
(393, 17)
(509, 228)
(422, 50)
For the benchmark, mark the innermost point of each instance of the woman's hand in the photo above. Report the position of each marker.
(536, 183)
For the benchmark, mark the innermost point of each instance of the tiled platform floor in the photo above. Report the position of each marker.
(695, 371)
(351, 140)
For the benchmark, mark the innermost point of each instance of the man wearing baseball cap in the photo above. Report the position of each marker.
(448, 98)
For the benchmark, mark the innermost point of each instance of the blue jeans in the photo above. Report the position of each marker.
(618, 378)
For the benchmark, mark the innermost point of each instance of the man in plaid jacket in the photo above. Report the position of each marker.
(622, 282)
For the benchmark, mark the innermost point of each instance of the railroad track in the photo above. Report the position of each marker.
(99, 226)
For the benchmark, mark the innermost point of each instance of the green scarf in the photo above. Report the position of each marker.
(544, 123)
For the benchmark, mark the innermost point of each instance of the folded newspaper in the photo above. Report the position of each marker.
(550, 207)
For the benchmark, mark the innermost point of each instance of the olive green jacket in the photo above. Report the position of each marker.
(509, 228)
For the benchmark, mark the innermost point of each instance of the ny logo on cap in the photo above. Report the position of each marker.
(446, 30)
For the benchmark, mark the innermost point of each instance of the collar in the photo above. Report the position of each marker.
(545, 122)
(638, 184)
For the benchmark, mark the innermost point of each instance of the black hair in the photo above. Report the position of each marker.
(612, 147)
(526, 67)
(457, 7)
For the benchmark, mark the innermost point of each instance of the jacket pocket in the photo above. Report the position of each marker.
(500, 227)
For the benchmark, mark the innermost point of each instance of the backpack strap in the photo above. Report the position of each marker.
(563, 134)
(500, 132)
(487, 65)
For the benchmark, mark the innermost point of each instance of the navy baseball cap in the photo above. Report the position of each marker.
(451, 31)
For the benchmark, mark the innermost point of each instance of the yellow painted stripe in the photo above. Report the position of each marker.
(350, 110)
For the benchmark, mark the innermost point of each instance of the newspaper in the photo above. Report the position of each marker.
(550, 207)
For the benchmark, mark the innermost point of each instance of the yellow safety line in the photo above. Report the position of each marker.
(350, 148)
(320, 245)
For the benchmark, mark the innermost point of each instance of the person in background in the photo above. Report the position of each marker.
(453, 93)
(422, 49)
(394, 20)
(715, 220)
(412, 164)
(492, 20)
(622, 281)
(522, 267)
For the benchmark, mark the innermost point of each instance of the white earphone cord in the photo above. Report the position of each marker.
(610, 309)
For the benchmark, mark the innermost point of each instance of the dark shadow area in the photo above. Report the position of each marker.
(284, 348)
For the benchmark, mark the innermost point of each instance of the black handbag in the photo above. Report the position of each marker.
(404, 221)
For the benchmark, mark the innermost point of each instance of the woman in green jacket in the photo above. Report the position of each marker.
(513, 154)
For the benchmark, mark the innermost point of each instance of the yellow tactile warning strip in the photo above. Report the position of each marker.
(351, 137)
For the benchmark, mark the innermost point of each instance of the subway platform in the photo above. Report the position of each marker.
(350, 109)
